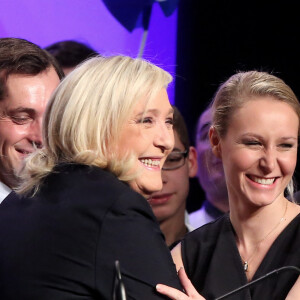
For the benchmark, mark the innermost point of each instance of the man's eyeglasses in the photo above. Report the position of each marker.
(175, 160)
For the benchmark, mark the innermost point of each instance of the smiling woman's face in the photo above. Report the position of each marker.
(148, 134)
(259, 151)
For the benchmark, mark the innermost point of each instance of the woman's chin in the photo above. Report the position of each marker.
(144, 189)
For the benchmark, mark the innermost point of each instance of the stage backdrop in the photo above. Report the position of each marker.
(47, 21)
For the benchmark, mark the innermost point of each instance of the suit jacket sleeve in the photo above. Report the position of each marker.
(135, 239)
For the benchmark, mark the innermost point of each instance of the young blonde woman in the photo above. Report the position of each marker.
(255, 134)
(108, 127)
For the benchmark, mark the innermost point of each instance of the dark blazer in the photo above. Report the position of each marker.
(63, 242)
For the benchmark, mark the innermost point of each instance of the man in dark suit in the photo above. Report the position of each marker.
(28, 76)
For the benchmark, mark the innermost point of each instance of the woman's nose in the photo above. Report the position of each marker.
(268, 161)
(164, 138)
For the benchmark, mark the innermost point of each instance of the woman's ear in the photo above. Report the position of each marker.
(215, 142)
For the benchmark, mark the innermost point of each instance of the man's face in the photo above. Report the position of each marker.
(21, 112)
(210, 172)
(170, 202)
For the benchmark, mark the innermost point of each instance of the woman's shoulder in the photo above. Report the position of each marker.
(84, 176)
(86, 186)
(209, 231)
(207, 237)
(205, 245)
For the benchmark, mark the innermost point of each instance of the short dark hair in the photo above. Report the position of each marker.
(70, 53)
(180, 127)
(19, 56)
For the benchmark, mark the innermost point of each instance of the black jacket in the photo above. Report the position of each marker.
(63, 242)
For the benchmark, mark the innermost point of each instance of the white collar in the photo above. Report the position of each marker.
(187, 222)
(4, 191)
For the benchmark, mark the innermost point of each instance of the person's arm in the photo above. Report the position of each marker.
(191, 292)
(131, 235)
(294, 292)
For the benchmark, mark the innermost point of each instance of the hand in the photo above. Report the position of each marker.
(191, 292)
(295, 291)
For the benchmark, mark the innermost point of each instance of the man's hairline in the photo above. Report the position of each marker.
(4, 78)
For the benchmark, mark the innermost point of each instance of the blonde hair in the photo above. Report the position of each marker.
(84, 116)
(243, 87)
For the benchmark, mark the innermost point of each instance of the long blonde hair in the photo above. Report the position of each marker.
(84, 116)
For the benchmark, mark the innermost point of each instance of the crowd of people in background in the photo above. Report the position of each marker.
(95, 166)
(69, 54)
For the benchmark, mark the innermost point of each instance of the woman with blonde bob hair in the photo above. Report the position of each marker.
(255, 133)
(84, 132)
(107, 131)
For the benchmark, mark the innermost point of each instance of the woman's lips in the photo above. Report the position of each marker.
(262, 180)
(151, 163)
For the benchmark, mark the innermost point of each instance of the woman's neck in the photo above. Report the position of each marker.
(257, 228)
(252, 221)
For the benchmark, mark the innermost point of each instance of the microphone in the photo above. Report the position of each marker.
(119, 292)
(274, 272)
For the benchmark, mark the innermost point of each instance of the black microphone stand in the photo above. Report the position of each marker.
(274, 272)
(119, 292)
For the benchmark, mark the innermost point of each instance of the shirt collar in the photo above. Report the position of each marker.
(4, 191)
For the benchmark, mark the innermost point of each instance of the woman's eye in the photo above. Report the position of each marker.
(252, 143)
(286, 145)
(147, 120)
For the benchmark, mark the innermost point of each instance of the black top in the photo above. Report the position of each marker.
(213, 263)
(63, 242)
